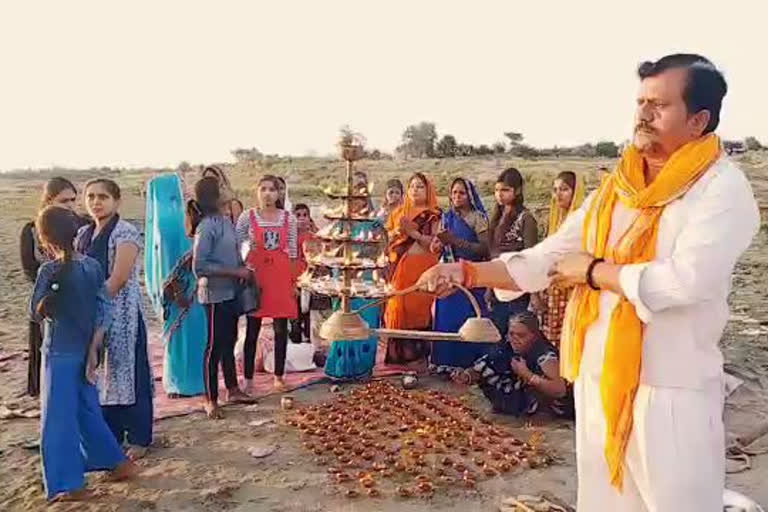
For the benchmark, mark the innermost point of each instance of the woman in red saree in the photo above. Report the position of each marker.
(411, 228)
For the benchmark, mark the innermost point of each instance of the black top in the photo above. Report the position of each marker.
(521, 233)
(29, 245)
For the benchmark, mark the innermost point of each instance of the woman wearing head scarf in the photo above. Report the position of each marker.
(411, 228)
(463, 236)
(567, 196)
(521, 372)
(171, 286)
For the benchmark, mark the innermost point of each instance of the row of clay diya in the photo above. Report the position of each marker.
(360, 432)
(338, 232)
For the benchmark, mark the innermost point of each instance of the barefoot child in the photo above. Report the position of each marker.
(273, 240)
(70, 297)
(218, 267)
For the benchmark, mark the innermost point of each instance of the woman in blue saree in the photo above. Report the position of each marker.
(463, 236)
(354, 360)
(171, 287)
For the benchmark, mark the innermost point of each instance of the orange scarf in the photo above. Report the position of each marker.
(409, 210)
(623, 348)
(400, 242)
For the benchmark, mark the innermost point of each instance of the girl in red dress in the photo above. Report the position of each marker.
(272, 238)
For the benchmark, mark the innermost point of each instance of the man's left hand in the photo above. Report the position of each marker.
(571, 269)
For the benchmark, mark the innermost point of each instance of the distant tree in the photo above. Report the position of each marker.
(183, 167)
(547, 152)
(419, 140)
(347, 137)
(465, 150)
(447, 147)
(753, 144)
(524, 151)
(243, 155)
(585, 150)
(374, 154)
(483, 149)
(607, 149)
(499, 148)
(514, 137)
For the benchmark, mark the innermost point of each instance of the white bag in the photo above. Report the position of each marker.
(298, 358)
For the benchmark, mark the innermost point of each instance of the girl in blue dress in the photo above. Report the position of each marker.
(70, 298)
(171, 287)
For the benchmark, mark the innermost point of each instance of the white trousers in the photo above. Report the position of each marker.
(675, 460)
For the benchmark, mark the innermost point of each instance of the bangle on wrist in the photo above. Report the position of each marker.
(591, 270)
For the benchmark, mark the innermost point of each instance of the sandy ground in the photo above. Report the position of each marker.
(201, 465)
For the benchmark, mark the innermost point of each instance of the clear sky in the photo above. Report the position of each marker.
(86, 83)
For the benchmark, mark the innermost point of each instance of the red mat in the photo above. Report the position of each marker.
(262, 382)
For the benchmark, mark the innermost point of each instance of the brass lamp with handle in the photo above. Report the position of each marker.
(347, 326)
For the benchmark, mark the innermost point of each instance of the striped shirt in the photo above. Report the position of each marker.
(245, 233)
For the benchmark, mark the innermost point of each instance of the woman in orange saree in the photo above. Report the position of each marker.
(411, 228)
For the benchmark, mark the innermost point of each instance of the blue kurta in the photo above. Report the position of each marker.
(75, 437)
(184, 329)
(452, 311)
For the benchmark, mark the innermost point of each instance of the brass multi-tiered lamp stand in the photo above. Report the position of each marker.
(339, 255)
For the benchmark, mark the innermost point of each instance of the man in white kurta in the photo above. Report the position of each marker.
(675, 459)
(676, 448)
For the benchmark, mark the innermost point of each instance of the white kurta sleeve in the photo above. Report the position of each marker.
(529, 268)
(719, 229)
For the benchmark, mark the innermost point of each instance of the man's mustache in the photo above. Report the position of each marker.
(644, 127)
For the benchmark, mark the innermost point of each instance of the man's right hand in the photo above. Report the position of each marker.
(441, 278)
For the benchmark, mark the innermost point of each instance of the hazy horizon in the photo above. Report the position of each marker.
(151, 84)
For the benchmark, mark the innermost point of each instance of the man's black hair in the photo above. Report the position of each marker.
(706, 86)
